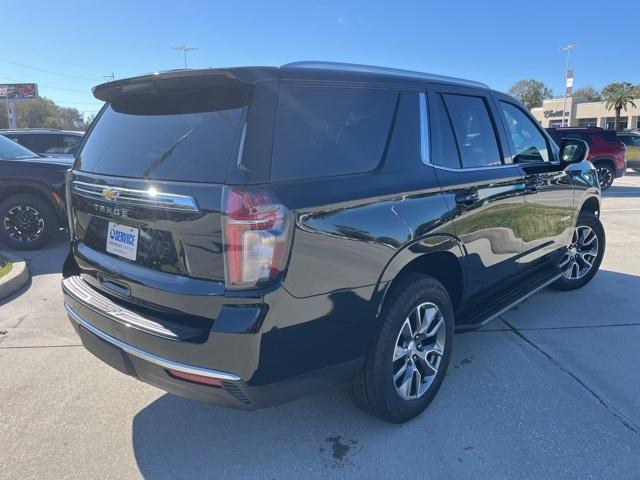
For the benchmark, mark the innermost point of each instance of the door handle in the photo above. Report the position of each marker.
(467, 198)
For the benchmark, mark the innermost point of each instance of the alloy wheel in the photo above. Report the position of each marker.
(605, 177)
(581, 254)
(23, 223)
(418, 351)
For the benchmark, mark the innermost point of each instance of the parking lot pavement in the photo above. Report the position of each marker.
(549, 390)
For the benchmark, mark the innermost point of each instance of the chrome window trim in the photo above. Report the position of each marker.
(149, 357)
(424, 130)
(241, 149)
(143, 198)
(424, 144)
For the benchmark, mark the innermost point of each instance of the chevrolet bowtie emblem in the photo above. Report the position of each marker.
(110, 194)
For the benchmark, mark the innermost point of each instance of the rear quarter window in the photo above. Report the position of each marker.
(324, 131)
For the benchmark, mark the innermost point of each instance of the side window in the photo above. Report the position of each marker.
(529, 143)
(323, 131)
(41, 143)
(70, 142)
(444, 151)
(473, 130)
(24, 140)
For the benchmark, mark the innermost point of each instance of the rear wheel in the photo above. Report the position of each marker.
(26, 222)
(408, 359)
(606, 174)
(581, 261)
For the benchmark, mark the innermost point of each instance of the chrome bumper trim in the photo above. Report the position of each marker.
(149, 357)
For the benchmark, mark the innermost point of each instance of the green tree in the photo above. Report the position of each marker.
(88, 120)
(589, 93)
(635, 91)
(618, 95)
(4, 114)
(44, 113)
(530, 92)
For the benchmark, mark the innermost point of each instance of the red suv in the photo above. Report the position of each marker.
(606, 151)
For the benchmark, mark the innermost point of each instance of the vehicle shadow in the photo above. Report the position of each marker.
(46, 260)
(319, 435)
(621, 191)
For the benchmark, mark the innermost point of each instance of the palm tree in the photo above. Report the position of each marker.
(618, 96)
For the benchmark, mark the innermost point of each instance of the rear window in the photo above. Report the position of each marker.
(181, 136)
(558, 136)
(609, 136)
(322, 131)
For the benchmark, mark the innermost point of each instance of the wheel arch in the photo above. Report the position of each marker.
(39, 191)
(591, 204)
(445, 263)
(608, 160)
(7, 191)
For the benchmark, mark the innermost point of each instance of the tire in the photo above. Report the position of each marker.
(606, 174)
(374, 390)
(569, 280)
(38, 215)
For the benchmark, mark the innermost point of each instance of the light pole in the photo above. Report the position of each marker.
(184, 49)
(566, 48)
(8, 110)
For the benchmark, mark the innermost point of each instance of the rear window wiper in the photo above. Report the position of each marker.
(170, 149)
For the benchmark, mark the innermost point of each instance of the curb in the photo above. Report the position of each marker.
(16, 278)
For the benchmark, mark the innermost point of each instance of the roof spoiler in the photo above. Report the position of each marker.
(184, 78)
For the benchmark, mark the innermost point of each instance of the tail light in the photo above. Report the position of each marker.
(256, 238)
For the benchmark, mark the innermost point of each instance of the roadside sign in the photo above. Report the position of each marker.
(18, 91)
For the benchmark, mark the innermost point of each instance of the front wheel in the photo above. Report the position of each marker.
(581, 261)
(26, 222)
(408, 359)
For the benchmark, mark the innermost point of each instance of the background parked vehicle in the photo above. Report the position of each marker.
(265, 233)
(31, 196)
(632, 141)
(47, 141)
(606, 151)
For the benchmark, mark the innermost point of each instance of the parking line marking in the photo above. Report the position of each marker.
(622, 210)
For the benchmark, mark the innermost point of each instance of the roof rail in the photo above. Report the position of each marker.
(352, 67)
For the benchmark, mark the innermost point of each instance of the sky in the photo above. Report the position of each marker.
(66, 46)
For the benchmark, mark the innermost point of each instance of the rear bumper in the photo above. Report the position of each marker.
(236, 360)
(153, 369)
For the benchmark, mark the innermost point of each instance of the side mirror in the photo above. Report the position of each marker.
(573, 150)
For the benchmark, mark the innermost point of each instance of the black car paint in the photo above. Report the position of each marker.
(41, 176)
(354, 234)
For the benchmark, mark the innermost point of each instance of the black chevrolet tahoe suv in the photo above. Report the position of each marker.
(247, 236)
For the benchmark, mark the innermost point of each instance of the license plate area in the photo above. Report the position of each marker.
(122, 240)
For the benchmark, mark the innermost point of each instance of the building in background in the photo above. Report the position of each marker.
(582, 113)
